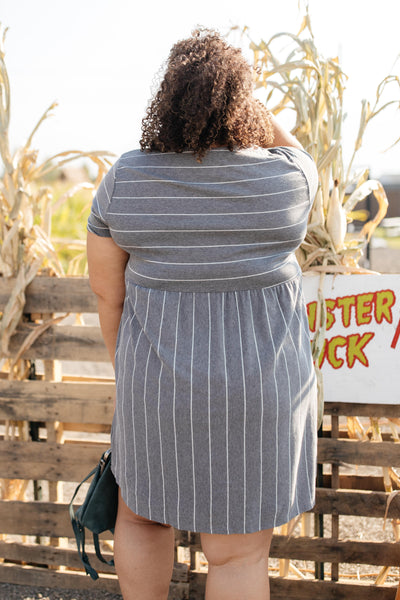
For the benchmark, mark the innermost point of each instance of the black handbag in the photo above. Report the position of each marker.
(98, 512)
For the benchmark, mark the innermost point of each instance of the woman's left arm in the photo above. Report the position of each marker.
(106, 264)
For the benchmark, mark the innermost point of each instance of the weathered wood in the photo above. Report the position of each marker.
(358, 504)
(48, 555)
(37, 518)
(359, 453)
(35, 576)
(352, 409)
(52, 578)
(57, 401)
(62, 342)
(358, 482)
(50, 462)
(309, 589)
(53, 294)
(283, 588)
(332, 550)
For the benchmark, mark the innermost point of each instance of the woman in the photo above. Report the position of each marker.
(191, 254)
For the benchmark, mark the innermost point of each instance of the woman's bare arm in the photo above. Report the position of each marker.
(106, 263)
(281, 136)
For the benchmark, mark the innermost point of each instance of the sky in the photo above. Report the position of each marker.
(99, 60)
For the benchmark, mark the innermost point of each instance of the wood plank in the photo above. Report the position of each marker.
(283, 588)
(358, 504)
(353, 409)
(48, 461)
(51, 578)
(332, 550)
(62, 342)
(57, 401)
(53, 294)
(358, 453)
(50, 555)
(359, 482)
(287, 588)
(37, 518)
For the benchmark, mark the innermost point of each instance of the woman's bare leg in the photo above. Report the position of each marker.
(143, 554)
(237, 565)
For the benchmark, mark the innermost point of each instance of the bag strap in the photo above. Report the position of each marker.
(79, 532)
(98, 551)
(70, 507)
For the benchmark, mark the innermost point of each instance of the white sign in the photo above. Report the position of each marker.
(360, 361)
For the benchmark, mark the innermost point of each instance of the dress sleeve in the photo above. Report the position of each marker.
(97, 221)
(307, 166)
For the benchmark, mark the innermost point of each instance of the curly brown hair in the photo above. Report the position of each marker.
(205, 100)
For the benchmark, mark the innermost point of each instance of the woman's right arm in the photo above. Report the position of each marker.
(281, 136)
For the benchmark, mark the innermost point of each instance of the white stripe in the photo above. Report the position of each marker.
(308, 391)
(211, 278)
(200, 166)
(122, 326)
(120, 407)
(187, 230)
(91, 226)
(145, 424)
(290, 413)
(107, 194)
(145, 154)
(133, 395)
(203, 214)
(133, 404)
(209, 410)
(261, 405)
(191, 415)
(277, 412)
(231, 197)
(97, 203)
(290, 417)
(244, 420)
(159, 404)
(223, 245)
(174, 409)
(216, 262)
(227, 413)
(193, 183)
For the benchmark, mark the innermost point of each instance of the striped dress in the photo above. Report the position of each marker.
(215, 422)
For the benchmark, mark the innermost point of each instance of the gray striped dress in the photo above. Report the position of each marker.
(215, 424)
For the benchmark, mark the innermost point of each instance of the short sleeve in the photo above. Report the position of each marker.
(306, 164)
(97, 221)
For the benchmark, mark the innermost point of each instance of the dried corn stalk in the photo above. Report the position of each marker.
(26, 207)
(313, 88)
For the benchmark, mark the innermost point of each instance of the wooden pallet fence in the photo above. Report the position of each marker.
(73, 417)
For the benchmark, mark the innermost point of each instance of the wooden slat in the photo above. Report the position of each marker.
(66, 402)
(359, 453)
(310, 589)
(357, 504)
(40, 518)
(49, 461)
(372, 483)
(331, 550)
(51, 578)
(50, 555)
(53, 294)
(62, 342)
(352, 409)
(36, 518)
(284, 588)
